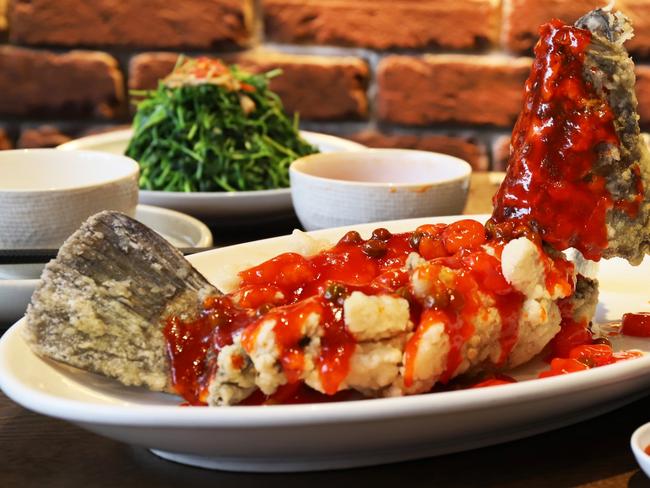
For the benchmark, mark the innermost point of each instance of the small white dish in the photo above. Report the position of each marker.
(640, 441)
(46, 194)
(14, 298)
(335, 435)
(178, 228)
(335, 189)
(215, 207)
(17, 282)
(20, 271)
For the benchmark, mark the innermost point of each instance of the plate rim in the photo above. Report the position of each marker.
(306, 414)
(206, 237)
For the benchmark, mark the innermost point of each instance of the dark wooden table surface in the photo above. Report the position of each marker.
(39, 451)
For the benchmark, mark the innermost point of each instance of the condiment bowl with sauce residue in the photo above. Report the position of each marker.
(348, 188)
(45, 194)
(640, 443)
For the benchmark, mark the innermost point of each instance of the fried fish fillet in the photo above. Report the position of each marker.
(104, 305)
(579, 171)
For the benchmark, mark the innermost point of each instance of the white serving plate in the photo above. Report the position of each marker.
(335, 435)
(17, 282)
(230, 207)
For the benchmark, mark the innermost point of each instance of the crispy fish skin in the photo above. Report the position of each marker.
(101, 304)
(610, 70)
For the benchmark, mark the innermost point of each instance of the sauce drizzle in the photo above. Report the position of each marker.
(285, 291)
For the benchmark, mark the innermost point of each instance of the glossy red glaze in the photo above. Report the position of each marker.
(295, 393)
(636, 324)
(289, 288)
(563, 366)
(255, 296)
(572, 334)
(593, 355)
(508, 301)
(587, 356)
(190, 342)
(476, 271)
(497, 380)
(187, 343)
(281, 284)
(459, 326)
(463, 235)
(551, 186)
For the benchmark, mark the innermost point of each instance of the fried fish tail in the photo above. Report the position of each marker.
(101, 304)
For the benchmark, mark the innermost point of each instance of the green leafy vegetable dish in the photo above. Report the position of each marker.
(209, 127)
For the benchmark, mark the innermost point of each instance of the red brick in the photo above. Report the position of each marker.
(74, 83)
(643, 93)
(500, 152)
(522, 18)
(42, 136)
(147, 68)
(485, 90)
(462, 147)
(317, 87)
(3, 17)
(92, 130)
(383, 24)
(5, 140)
(639, 13)
(199, 24)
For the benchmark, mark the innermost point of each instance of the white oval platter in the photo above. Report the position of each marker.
(335, 435)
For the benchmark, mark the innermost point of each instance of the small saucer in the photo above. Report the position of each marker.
(17, 281)
(20, 271)
(640, 441)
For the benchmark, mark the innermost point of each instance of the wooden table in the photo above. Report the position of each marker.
(39, 451)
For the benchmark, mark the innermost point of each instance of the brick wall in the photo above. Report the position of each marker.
(441, 75)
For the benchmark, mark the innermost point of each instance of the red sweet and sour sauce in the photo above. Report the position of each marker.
(636, 324)
(290, 287)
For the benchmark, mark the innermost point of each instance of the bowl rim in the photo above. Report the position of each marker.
(132, 172)
(377, 184)
(635, 439)
(124, 134)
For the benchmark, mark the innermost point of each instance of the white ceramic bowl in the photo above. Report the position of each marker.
(243, 207)
(335, 189)
(46, 194)
(640, 440)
